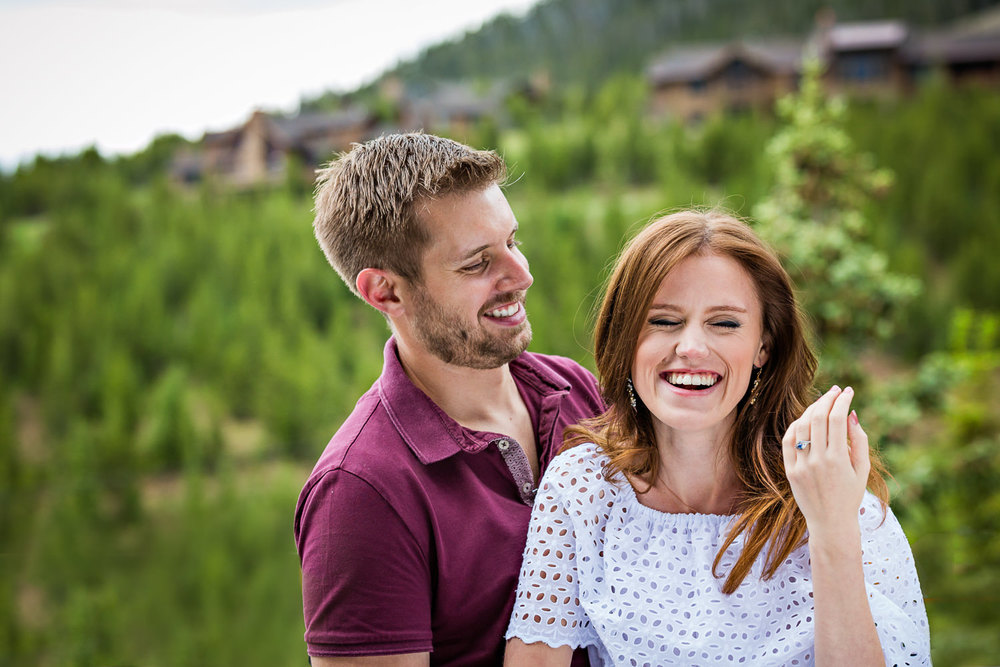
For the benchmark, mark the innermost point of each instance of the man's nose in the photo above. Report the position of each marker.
(516, 275)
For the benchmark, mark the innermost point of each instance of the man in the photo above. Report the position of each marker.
(411, 527)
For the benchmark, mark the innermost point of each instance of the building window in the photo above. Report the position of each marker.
(863, 67)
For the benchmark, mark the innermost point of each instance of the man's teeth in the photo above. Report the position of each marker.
(504, 312)
(692, 379)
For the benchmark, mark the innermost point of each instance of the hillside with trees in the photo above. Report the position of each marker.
(584, 42)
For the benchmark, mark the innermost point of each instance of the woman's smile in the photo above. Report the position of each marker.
(696, 381)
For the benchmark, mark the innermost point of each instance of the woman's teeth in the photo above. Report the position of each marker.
(692, 379)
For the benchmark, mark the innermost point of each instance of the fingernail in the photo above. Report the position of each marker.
(849, 389)
(854, 417)
(834, 388)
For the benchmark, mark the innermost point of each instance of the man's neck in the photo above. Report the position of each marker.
(481, 399)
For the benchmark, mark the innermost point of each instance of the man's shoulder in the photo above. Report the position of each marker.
(366, 442)
(561, 367)
(553, 361)
(367, 455)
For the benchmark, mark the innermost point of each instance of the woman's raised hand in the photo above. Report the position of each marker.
(827, 464)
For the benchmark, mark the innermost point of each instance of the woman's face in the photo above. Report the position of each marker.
(701, 337)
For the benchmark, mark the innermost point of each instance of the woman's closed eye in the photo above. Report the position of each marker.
(671, 322)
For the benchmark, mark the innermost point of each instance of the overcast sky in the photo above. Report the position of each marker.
(116, 73)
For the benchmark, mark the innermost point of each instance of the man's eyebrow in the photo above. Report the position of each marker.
(472, 253)
(475, 251)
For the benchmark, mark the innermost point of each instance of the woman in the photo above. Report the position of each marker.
(712, 516)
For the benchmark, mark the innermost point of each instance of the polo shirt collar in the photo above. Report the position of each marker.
(429, 432)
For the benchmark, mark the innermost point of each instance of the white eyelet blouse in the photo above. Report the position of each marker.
(635, 585)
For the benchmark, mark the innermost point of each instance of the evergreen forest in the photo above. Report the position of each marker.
(583, 42)
(173, 359)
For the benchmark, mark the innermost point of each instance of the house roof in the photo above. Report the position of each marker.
(308, 124)
(984, 24)
(699, 62)
(686, 63)
(287, 131)
(221, 138)
(866, 36)
(458, 99)
(932, 49)
(975, 38)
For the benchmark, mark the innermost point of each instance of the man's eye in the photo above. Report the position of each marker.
(473, 268)
(514, 243)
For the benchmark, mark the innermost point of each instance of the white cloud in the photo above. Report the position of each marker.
(117, 73)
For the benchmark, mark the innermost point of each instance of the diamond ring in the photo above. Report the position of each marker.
(801, 444)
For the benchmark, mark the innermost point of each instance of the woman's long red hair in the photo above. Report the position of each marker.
(767, 512)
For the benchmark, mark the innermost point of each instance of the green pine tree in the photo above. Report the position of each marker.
(814, 217)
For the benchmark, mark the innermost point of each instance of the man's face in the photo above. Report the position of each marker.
(468, 308)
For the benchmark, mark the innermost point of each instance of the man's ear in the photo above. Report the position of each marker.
(379, 288)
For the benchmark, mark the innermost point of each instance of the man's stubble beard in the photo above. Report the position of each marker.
(451, 340)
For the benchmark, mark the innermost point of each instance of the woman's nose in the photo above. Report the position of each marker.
(692, 344)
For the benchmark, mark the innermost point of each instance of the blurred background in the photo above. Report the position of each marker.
(175, 352)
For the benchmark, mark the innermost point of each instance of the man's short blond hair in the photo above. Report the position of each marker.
(366, 199)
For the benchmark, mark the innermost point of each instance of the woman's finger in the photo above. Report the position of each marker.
(788, 447)
(800, 432)
(819, 419)
(859, 445)
(837, 426)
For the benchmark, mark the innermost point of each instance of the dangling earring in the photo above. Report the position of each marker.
(755, 390)
(630, 390)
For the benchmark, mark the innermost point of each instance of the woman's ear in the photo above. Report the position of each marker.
(379, 289)
(761, 357)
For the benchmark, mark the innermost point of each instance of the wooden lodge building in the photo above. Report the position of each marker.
(266, 146)
(870, 59)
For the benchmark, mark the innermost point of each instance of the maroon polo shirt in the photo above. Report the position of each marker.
(411, 528)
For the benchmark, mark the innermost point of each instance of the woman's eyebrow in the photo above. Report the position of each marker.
(713, 309)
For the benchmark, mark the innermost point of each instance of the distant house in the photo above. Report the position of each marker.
(261, 150)
(968, 54)
(693, 82)
(450, 106)
(868, 59)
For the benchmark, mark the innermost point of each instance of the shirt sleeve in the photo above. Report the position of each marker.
(365, 579)
(894, 596)
(547, 604)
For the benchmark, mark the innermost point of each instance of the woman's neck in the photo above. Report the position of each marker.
(695, 475)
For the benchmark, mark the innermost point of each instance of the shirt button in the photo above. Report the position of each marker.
(503, 445)
(526, 487)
